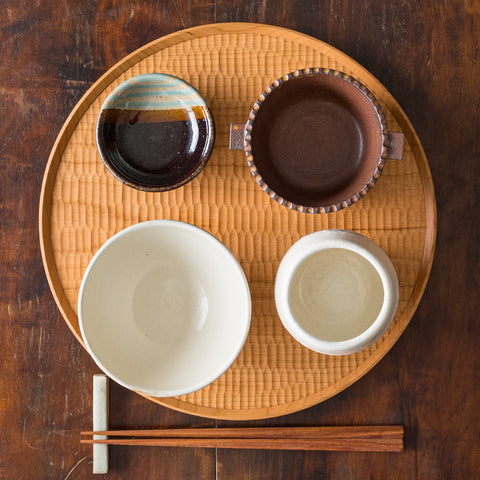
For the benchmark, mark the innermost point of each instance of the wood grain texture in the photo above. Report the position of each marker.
(427, 55)
(82, 206)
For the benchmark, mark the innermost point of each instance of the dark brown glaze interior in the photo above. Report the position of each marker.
(316, 140)
(154, 150)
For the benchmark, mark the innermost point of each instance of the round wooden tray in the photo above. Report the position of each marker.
(82, 205)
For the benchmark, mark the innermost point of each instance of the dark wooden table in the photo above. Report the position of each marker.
(427, 54)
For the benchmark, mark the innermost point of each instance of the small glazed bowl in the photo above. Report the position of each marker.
(336, 292)
(164, 308)
(155, 132)
(316, 140)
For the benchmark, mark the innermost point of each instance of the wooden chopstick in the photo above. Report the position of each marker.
(356, 438)
(260, 432)
(345, 445)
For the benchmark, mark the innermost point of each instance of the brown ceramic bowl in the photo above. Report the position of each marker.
(317, 140)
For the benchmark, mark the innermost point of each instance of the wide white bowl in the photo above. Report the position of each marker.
(336, 292)
(164, 308)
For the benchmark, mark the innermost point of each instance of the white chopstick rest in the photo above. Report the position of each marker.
(100, 422)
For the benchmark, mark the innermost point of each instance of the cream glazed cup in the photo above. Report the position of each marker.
(336, 292)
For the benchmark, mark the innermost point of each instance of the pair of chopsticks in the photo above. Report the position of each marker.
(350, 438)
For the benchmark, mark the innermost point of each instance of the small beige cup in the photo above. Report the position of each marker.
(336, 292)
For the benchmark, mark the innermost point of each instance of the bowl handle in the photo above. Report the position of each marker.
(394, 148)
(237, 136)
(395, 145)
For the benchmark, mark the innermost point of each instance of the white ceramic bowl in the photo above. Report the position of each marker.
(336, 292)
(164, 308)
